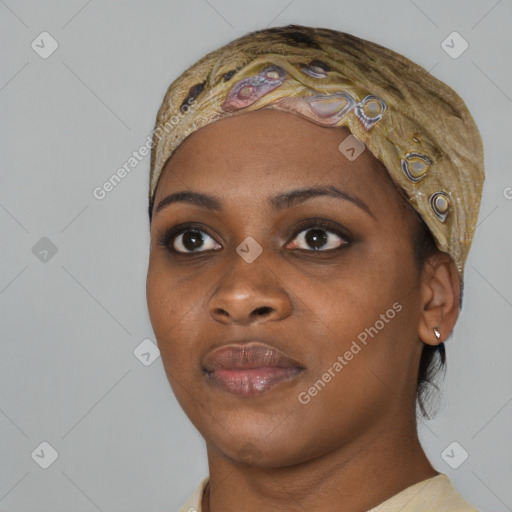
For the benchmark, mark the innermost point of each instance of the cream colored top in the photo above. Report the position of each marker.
(435, 494)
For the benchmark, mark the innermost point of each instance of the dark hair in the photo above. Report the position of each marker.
(150, 207)
(433, 357)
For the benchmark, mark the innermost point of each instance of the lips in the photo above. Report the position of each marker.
(249, 369)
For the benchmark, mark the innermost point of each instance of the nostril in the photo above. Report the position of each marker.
(264, 310)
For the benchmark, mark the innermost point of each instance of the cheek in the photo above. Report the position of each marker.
(159, 295)
(359, 367)
(171, 308)
(368, 312)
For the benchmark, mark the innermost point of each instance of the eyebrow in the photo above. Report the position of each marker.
(278, 202)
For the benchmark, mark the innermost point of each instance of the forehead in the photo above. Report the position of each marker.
(262, 151)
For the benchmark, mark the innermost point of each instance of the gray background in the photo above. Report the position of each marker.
(70, 323)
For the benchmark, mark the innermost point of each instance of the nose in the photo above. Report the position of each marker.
(249, 294)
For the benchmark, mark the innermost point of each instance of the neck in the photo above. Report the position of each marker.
(354, 477)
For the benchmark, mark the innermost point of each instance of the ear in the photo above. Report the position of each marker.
(439, 298)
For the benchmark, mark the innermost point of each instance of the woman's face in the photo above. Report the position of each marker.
(327, 280)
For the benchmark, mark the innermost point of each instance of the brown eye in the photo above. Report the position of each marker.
(318, 238)
(188, 238)
(194, 241)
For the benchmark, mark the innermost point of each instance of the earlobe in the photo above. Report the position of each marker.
(439, 299)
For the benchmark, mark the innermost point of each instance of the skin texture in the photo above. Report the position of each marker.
(354, 444)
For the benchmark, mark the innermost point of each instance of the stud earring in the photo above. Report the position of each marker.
(437, 333)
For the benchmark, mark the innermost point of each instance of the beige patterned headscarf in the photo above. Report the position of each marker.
(416, 125)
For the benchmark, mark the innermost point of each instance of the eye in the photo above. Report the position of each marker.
(318, 237)
(188, 239)
(315, 236)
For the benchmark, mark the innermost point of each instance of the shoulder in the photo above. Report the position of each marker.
(193, 504)
(435, 494)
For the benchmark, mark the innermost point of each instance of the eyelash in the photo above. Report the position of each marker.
(167, 239)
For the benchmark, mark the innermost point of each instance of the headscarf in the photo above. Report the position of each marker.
(416, 125)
